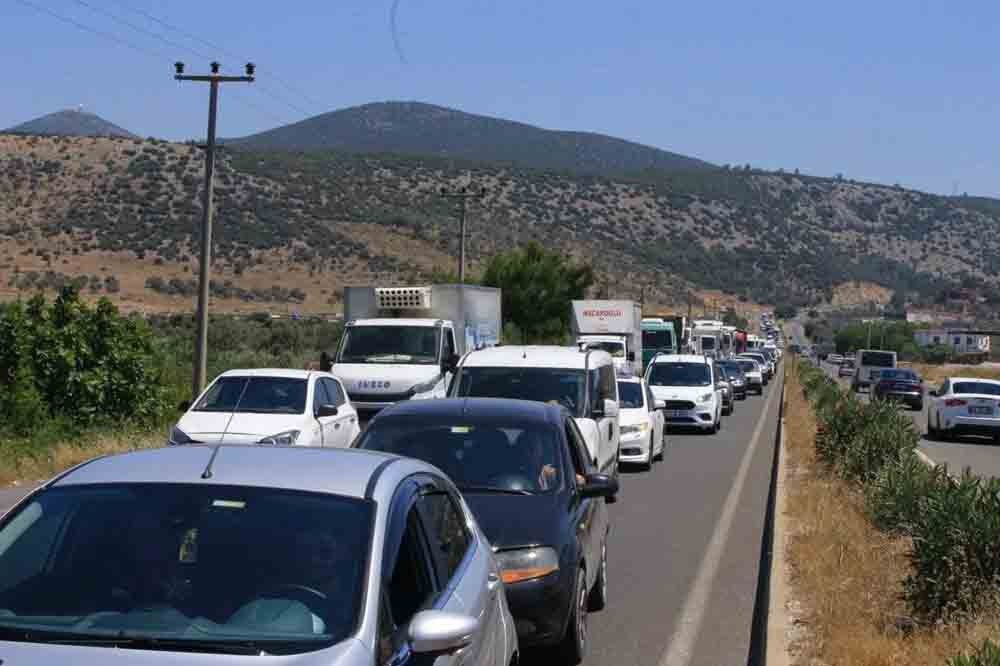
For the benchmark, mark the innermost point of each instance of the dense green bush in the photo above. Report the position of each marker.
(68, 360)
(896, 495)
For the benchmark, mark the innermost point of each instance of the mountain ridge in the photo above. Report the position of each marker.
(69, 122)
(422, 129)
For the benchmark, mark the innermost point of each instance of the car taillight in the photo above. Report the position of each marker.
(954, 402)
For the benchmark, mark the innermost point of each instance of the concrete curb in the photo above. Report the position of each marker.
(777, 611)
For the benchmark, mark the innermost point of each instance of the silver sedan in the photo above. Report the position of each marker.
(233, 554)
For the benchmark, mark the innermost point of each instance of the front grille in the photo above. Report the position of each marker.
(378, 397)
(680, 405)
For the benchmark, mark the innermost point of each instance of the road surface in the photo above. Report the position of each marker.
(685, 548)
(976, 453)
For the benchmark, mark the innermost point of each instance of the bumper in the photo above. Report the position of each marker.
(541, 608)
(702, 417)
(635, 450)
(911, 399)
(969, 425)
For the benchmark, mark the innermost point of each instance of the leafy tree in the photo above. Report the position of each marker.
(537, 286)
(731, 318)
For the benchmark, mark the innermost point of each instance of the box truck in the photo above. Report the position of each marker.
(402, 343)
(614, 326)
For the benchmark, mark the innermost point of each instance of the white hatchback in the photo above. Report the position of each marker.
(270, 407)
(640, 422)
(964, 406)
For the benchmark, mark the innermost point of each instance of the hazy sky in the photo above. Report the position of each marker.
(891, 91)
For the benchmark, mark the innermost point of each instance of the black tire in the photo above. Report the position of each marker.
(663, 446)
(614, 498)
(931, 432)
(573, 647)
(647, 464)
(598, 597)
(718, 425)
(919, 407)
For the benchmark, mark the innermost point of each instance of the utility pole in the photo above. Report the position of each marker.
(869, 345)
(463, 195)
(201, 339)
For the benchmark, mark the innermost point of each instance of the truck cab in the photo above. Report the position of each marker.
(657, 338)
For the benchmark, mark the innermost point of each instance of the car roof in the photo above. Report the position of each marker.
(421, 321)
(632, 379)
(954, 380)
(681, 358)
(485, 409)
(536, 356)
(337, 471)
(273, 372)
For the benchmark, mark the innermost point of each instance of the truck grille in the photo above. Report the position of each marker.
(378, 397)
(680, 405)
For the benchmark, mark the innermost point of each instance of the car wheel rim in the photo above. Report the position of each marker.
(581, 616)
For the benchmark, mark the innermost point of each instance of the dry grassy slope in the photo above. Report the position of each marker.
(319, 221)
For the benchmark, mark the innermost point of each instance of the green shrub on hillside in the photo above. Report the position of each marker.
(987, 654)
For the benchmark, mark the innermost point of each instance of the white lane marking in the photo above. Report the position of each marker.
(681, 644)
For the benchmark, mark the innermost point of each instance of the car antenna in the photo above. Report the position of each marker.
(207, 474)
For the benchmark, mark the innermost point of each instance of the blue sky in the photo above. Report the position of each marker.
(889, 91)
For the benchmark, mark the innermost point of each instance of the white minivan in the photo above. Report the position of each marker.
(869, 363)
(583, 381)
(271, 407)
(691, 388)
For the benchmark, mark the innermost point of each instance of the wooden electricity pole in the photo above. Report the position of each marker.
(463, 195)
(201, 337)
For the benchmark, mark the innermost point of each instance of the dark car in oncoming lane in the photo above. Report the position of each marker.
(901, 385)
(523, 468)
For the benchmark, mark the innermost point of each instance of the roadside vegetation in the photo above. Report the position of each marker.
(893, 562)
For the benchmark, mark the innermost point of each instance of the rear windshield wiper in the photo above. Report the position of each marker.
(494, 489)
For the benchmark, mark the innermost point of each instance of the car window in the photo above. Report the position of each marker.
(582, 464)
(320, 396)
(449, 344)
(194, 561)
(944, 388)
(411, 584)
(630, 394)
(983, 388)
(446, 531)
(594, 388)
(334, 393)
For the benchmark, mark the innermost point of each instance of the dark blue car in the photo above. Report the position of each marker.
(523, 469)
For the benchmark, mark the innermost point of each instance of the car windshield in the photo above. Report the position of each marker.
(390, 344)
(662, 339)
(982, 388)
(257, 395)
(708, 343)
(878, 359)
(748, 366)
(731, 371)
(553, 385)
(477, 456)
(221, 567)
(630, 395)
(616, 349)
(680, 374)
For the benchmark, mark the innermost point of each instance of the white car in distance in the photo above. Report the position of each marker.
(690, 387)
(270, 407)
(640, 422)
(964, 406)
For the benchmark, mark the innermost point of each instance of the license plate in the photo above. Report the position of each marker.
(984, 411)
(673, 413)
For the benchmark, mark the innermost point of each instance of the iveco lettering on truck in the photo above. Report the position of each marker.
(613, 326)
(404, 342)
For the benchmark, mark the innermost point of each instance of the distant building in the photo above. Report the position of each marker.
(961, 341)
(917, 317)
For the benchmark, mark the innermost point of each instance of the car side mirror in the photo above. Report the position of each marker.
(184, 405)
(439, 632)
(599, 485)
(326, 410)
(449, 364)
(659, 404)
(610, 409)
(630, 356)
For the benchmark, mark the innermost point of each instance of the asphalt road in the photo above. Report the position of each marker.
(685, 548)
(976, 453)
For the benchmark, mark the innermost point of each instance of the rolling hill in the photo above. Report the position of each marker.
(120, 216)
(414, 128)
(69, 123)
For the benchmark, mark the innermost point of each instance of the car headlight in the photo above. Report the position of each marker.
(178, 437)
(286, 438)
(527, 563)
(634, 429)
(706, 398)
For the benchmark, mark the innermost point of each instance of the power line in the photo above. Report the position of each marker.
(95, 31)
(138, 28)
